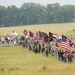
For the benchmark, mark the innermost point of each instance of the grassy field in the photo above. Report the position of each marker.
(61, 28)
(20, 61)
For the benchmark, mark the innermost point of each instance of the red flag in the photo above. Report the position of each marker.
(25, 32)
(66, 43)
(31, 34)
(45, 37)
(39, 35)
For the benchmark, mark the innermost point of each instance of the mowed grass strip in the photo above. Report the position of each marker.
(61, 28)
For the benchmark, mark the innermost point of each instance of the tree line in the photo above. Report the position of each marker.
(33, 13)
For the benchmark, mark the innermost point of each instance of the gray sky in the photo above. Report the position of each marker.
(18, 3)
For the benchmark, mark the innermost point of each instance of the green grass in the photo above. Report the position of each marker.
(20, 61)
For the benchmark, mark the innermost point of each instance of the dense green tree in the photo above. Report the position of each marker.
(33, 13)
(2, 14)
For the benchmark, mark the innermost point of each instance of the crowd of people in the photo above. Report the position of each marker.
(39, 47)
(7, 40)
(49, 48)
(66, 56)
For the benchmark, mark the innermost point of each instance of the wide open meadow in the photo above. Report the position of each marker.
(17, 60)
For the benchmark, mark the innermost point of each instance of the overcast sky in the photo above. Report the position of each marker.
(18, 3)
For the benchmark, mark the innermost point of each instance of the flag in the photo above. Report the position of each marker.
(45, 37)
(58, 42)
(66, 43)
(25, 32)
(51, 35)
(14, 33)
(31, 34)
(39, 35)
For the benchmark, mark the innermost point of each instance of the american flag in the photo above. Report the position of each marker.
(66, 43)
(58, 42)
